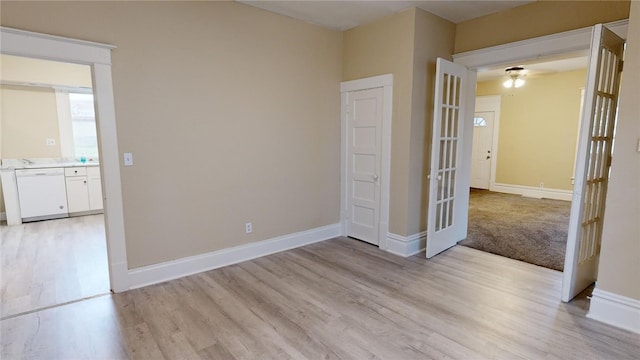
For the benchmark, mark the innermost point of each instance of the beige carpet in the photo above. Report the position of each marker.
(526, 229)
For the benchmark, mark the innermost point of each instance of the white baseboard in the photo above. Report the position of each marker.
(174, 269)
(406, 246)
(3, 216)
(616, 310)
(533, 192)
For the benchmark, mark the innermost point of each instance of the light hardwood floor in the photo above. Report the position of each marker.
(52, 262)
(336, 299)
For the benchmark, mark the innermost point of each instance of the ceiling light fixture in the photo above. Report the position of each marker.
(515, 74)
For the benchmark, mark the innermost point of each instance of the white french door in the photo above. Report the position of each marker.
(593, 162)
(364, 148)
(450, 156)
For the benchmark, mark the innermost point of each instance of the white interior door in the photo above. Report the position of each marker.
(364, 144)
(450, 157)
(481, 156)
(593, 162)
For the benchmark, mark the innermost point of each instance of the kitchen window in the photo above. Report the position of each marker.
(83, 125)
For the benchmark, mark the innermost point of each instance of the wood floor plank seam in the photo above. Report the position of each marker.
(53, 306)
(337, 299)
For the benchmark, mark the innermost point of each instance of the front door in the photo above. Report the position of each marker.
(481, 156)
(450, 157)
(364, 148)
(593, 162)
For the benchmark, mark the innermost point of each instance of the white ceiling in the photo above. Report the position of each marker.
(346, 14)
(565, 62)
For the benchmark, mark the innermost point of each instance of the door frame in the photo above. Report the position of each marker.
(491, 103)
(98, 57)
(577, 40)
(566, 42)
(386, 83)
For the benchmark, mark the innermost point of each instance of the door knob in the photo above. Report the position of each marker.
(375, 177)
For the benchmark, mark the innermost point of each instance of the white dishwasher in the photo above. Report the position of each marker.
(42, 194)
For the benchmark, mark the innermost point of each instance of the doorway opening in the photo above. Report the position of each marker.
(606, 46)
(98, 56)
(522, 169)
(59, 253)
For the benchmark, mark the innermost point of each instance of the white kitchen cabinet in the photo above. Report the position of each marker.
(94, 187)
(84, 189)
(77, 193)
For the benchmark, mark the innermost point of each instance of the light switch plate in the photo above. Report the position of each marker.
(128, 159)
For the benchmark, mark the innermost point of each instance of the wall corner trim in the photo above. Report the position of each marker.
(406, 246)
(616, 310)
(157, 273)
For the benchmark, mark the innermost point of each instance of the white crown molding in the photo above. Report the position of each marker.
(549, 45)
(174, 269)
(532, 192)
(616, 310)
(406, 246)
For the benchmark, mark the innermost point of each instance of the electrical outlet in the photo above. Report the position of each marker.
(541, 185)
(128, 159)
(248, 228)
(51, 142)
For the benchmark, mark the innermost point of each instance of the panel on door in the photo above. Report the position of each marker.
(593, 162)
(481, 156)
(364, 134)
(450, 157)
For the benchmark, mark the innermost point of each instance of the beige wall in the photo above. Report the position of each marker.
(29, 70)
(536, 19)
(232, 115)
(406, 45)
(538, 129)
(29, 117)
(382, 47)
(433, 38)
(620, 256)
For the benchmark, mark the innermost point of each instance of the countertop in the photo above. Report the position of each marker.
(16, 164)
